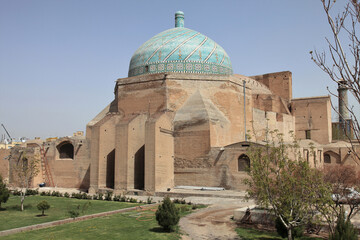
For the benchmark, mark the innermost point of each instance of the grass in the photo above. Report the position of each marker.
(12, 217)
(139, 224)
(254, 234)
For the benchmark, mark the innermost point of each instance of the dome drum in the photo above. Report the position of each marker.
(181, 67)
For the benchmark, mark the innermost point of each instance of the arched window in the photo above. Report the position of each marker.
(66, 150)
(327, 158)
(243, 163)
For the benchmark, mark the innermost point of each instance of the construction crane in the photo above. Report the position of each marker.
(7, 133)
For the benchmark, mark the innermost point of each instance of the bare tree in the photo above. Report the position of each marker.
(25, 169)
(341, 62)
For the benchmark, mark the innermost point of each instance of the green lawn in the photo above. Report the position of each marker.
(12, 217)
(139, 224)
(253, 234)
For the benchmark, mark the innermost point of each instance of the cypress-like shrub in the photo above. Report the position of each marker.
(167, 215)
(4, 192)
(344, 229)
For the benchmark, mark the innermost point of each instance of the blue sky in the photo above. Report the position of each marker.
(59, 59)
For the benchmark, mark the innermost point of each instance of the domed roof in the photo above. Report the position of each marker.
(180, 49)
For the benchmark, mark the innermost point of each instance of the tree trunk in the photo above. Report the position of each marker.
(289, 234)
(43, 212)
(22, 202)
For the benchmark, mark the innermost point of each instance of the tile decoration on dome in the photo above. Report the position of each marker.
(180, 50)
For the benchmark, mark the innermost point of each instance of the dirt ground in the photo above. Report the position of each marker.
(211, 223)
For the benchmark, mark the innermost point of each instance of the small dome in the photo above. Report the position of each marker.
(180, 49)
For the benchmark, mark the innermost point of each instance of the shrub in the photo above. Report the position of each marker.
(16, 192)
(80, 196)
(123, 199)
(42, 206)
(133, 200)
(4, 192)
(31, 192)
(74, 213)
(43, 194)
(282, 231)
(149, 200)
(167, 215)
(117, 198)
(66, 194)
(85, 196)
(56, 194)
(344, 229)
(94, 197)
(108, 195)
(100, 196)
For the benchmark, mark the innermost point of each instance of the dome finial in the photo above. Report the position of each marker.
(179, 19)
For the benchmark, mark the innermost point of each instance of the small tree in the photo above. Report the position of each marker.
(286, 184)
(42, 206)
(25, 169)
(74, 212)
(344, 229)
(4, 192)
(167, 215)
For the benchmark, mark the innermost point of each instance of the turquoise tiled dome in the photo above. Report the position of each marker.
(180, 49)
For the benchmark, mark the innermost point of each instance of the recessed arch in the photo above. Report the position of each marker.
(110, 169)
(327, 158)
(66, 150)
(331, 157)
(243, 163)
(139, 168)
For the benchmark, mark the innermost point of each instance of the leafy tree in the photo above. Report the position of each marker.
(4, 191)
(167, 215)
(24, 170)
(344, 229)
(342, 60)
(42, 206)
(282, 181)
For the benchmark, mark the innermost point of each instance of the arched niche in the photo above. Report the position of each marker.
(243, 163)
(66, 150)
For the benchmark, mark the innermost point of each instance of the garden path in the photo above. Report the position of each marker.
(213, 222)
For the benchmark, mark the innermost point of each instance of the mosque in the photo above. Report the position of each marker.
(182, 118)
